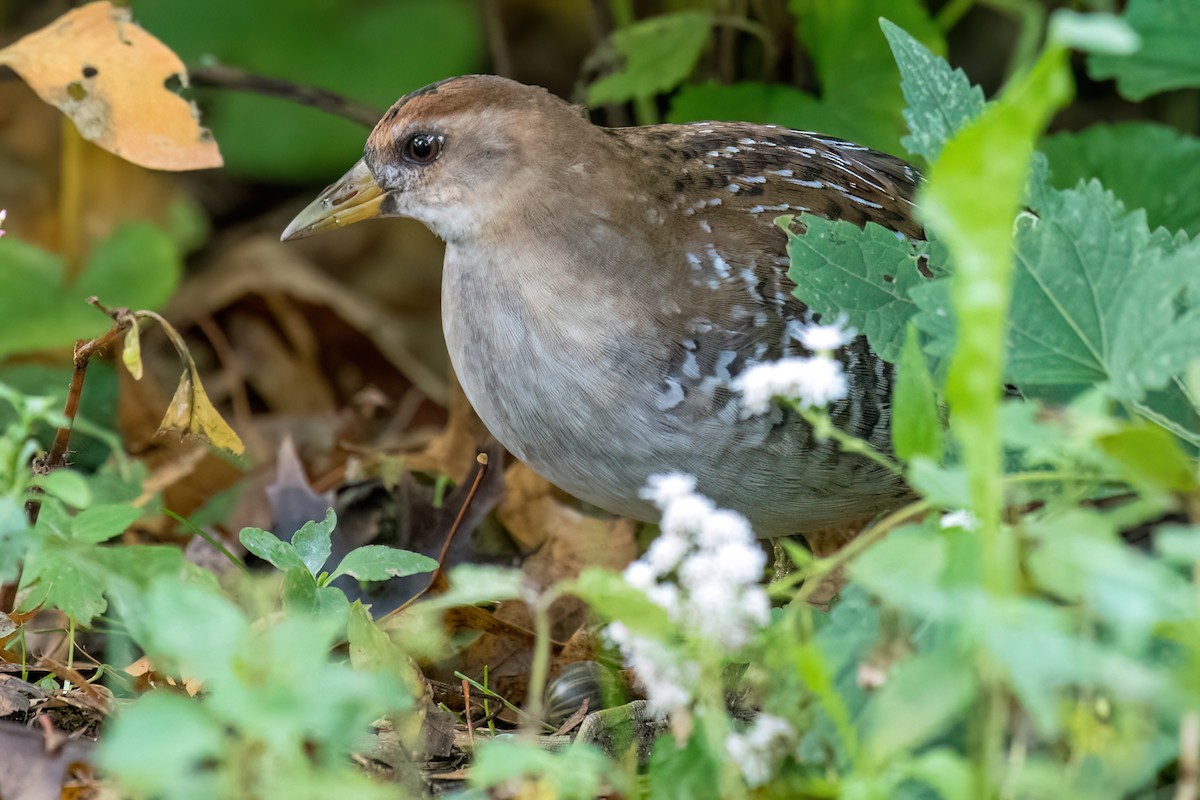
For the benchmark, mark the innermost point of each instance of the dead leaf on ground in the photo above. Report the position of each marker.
(111, 78)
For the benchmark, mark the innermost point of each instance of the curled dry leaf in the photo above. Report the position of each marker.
(131, 353)
(111, 78)
(191, 413)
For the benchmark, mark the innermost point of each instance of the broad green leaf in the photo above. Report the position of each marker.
(271, 549)
(575, 773)
(905, 570)
(378, 563)
(205, 648)
(865, 274)
(68, 486)
(138, 750)
(99, 523)
(1168, 57)
(14, 537)
(657, 54)
(613, 599)
(923, 698)
(916, 421)
(138, 267)
(301, 594)
(1099, 301)
(940, 100)
(471, 584)
(777, 104)
(1146, 165)
(853, 63)
(946, 771)
(312, 542)
(63, 577)
(1178, 543)
(372, 52)
(1151, 458)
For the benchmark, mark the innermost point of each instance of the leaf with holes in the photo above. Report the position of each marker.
(110, 77)
(866, 275)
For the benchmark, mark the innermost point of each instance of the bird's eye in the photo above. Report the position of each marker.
(423, 148)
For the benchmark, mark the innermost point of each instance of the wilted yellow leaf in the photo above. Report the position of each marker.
(131, 353)
(110, 77)
(191, 413)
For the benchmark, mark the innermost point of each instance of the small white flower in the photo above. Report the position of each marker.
(758, 750)
(662, 489)
(3, 216)
(813, 380)
(723, 526)
(960, 519)
(686, 515)
(665, 553)
(825, 338)
(640, 575)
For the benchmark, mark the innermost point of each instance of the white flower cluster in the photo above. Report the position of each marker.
(816, 380)
(705, 570)
(758, 750)
(3, 216)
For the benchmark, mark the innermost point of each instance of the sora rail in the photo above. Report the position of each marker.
(604, 286)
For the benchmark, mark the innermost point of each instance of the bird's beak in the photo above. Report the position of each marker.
(354, 197)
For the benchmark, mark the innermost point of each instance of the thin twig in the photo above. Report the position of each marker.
(233, 79)
(439, 574)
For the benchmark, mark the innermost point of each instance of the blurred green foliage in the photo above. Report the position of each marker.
(370, 51)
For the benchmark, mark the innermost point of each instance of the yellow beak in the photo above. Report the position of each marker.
(354, 197)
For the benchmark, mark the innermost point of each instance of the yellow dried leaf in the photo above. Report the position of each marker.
(110, 77)
(131, 353)
(191, 413)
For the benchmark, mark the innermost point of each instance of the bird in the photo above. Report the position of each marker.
(603, 288)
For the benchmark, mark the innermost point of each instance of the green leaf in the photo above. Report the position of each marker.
(905, 570)
(923, 698)
(574, 773)
(14, 538)
(613, 599)
(1098, 300)
(62, 579)
(853, 63)
(312, 541)
(1150, 458)
(657, 53)
(100, 523)
(1168, 58)
(137, 267)
(865, 274)
(137, 750)
(916, 422)
(378, 563)
(1178, 543)
(68, 486)
(271, 548)
(1146, 165)
(940, 100)
(475, 583)
(371, 51)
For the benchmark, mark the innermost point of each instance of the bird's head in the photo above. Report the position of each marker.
(451, 155)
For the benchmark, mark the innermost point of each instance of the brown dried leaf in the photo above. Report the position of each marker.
(191, 413)
(110, 77)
